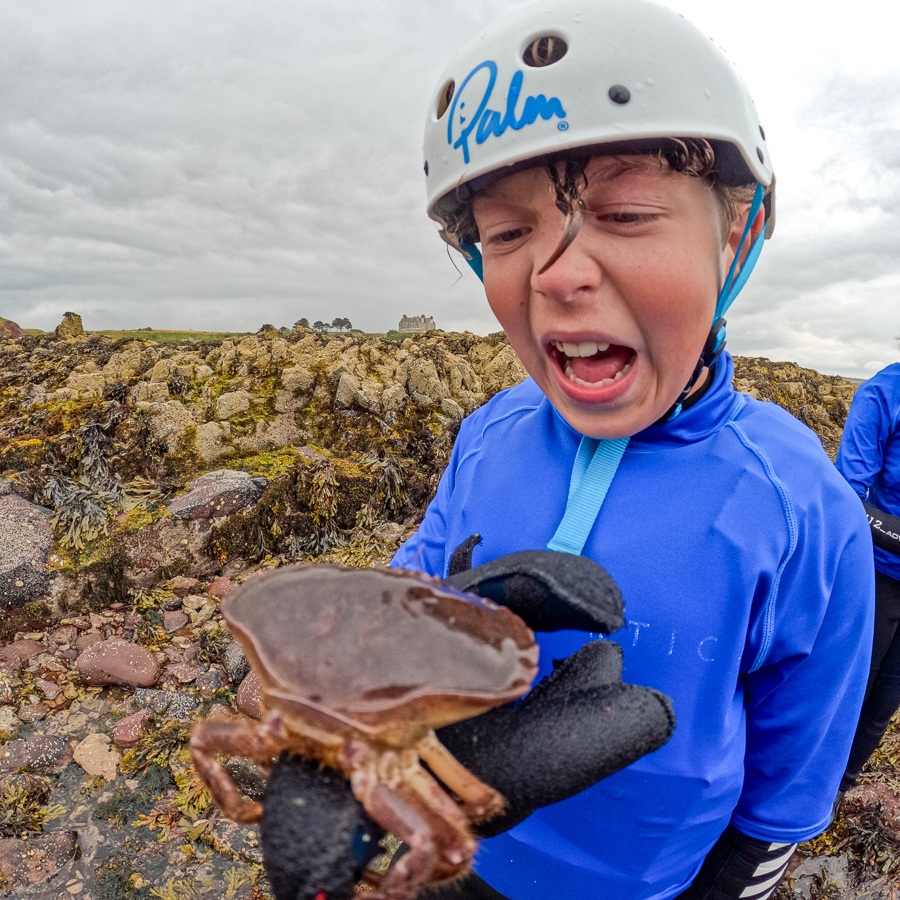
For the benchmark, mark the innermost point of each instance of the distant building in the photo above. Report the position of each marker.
(417, 323)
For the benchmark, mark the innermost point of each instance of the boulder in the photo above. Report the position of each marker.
(217, 494)
(70, 328)
(25, 541)
(115, 661)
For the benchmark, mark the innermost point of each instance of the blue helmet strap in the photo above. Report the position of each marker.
(715, 342)
(595, 465)
(472, 256)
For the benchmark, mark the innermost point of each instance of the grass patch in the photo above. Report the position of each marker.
(172, 337)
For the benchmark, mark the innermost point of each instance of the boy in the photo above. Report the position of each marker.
(608, 161)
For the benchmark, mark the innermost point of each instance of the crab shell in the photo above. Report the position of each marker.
(382, 653)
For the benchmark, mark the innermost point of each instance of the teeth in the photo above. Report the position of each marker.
(583, 348)
(573, 377)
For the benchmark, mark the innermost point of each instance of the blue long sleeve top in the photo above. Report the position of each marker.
(869, 455)
(745, 562)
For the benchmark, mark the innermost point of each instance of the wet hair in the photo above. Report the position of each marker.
(688, 156)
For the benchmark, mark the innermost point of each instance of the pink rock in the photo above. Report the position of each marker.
(174, 620)
(86, 640)
(220, 587)
(115, 661)
(127, 732)
(18, 652)
(44, 753)
(875, 795)
(184, 673)
(248, 698)
(25, 863)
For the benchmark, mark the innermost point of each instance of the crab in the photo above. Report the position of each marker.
(357, 668)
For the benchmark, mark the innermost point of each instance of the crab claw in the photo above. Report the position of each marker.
(550, 591)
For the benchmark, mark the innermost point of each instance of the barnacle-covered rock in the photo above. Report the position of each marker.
(25, 541)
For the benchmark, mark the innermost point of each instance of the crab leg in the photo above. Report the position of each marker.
(258, 741)
(403, 798)
(480, 800)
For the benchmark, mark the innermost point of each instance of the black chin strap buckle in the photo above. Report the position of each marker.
(712, 348)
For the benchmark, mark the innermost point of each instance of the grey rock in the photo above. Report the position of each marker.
(236, 665)
(171, 704)
(217, 494)
(25, 541)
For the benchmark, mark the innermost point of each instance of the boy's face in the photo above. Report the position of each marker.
(612, 331)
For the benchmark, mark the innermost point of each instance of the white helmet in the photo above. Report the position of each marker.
(558, 75)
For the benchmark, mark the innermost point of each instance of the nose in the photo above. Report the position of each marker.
(565, 269)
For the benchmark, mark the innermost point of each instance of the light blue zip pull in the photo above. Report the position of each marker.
(595, 466)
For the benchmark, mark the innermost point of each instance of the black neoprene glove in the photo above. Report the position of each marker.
(577, 726)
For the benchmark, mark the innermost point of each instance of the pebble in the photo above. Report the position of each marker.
(184, 673)
(181, 585)
(172, 704)
(17, 653)
(64, 636)
(116, 661)
(47, 754)
(97, 757)
(86, 640)
(31, 713)
(174, 621)
(221, 586)
(9, 722)
(49, 689)
(236, 664)
(210, 682)
(128, 731)
(248, 698)
(26, 862)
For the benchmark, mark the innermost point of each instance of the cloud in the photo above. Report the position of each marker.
(219, 165)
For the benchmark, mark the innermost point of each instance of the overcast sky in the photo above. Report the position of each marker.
(219, 165)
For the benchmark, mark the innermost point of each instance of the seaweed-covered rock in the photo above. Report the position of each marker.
(172, 473)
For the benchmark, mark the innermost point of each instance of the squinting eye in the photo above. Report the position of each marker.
(626, 218)
(507, 237)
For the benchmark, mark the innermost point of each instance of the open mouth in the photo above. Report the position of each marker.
(592, 364)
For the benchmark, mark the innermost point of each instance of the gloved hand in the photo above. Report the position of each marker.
(577, 726)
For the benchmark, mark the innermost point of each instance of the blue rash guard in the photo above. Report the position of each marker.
(869, 457)
(745, 562)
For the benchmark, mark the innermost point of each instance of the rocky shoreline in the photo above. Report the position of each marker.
(139, 484)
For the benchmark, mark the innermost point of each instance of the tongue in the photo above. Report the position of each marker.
(601, 365)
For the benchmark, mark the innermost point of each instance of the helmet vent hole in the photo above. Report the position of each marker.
(620, 94)
(544, 51)
(445, 97)
(760, 154)
(762, 132)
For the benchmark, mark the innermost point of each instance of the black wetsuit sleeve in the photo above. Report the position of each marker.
(885, 528)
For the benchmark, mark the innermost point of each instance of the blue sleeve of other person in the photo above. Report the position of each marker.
(869, 455)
